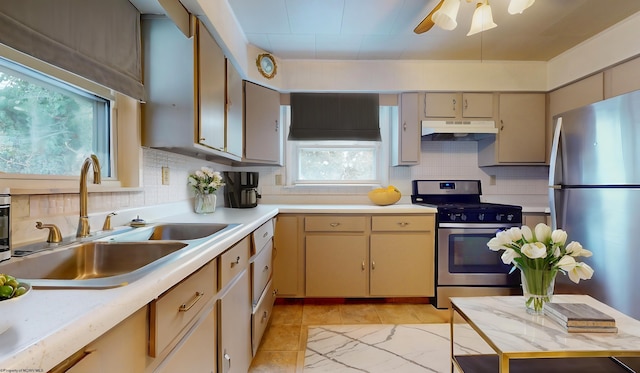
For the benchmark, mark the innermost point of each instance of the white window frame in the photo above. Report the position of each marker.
(381, 147)
(125, 139)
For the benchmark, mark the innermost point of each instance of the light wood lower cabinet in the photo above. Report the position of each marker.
(195, 352)
(235, 326)
(369, 256)
(336, 265)
(121, 349)
(288, 258)
(402, 265)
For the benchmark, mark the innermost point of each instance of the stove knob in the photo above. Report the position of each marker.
(510, 217)
(463, 217)
(452, 217)
(481, 216)
(498, 217)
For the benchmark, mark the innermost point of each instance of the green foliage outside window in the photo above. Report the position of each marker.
(47, 128)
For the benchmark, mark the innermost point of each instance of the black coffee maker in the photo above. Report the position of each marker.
(241, 189)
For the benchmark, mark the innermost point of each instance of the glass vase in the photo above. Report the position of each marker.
(205, 203)
(537, 288)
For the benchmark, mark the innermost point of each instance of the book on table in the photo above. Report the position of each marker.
(580, 317)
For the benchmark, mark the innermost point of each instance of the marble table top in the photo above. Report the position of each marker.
(510, 330)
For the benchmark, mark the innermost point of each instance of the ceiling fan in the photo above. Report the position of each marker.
(445, 12)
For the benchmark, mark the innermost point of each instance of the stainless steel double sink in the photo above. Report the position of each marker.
(114, 260)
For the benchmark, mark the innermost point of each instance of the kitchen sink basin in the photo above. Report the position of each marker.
(91, 264)
(185, 231)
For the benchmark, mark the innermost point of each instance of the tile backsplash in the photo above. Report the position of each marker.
(440, 160)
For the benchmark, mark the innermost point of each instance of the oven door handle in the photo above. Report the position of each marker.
(477, 225)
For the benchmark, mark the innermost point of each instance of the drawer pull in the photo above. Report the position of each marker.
(373, 264)
(403, 223)
(363, 265)
(264, 316)
(265, 234)
(186, 307)
(236, 262)
(266, 268)
(333, 225)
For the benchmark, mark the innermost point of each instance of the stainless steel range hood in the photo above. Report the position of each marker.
(457, 130)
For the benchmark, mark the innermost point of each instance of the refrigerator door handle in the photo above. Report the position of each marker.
(553, 163)
(555, 148)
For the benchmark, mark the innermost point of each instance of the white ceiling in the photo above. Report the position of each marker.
(383, 29)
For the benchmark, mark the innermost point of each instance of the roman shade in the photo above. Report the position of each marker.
(96, 39)
(335, 116)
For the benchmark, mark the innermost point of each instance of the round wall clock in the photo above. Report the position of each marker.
(266, 65)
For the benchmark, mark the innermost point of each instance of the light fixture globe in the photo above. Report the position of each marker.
(518, 6)
(445, 17)
(482, 19)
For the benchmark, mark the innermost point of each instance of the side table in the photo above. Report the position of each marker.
(526, 343)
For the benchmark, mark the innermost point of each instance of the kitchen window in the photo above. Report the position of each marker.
(354, 163)
(51, 119)
(49, 127)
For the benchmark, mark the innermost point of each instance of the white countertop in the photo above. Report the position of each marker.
(52, 324)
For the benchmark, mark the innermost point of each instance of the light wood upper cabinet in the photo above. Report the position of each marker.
(621, 79)
(185, 85)
(234, 123)
(263, 130)
(211, 89)
(454, 105)
(406, 132)
(522, 132)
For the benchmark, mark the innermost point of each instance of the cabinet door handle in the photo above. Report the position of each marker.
(404, 126)
(501, 124)
(233, 264)
(264, 316)
(202, 139)
(228, 359)
(274, 292)
(186, 307)
(466, 104)
(277, 125)
(266, 268)
(454, 104)
(333, 225)
(265, 234)
(363, 267)
(373, 264)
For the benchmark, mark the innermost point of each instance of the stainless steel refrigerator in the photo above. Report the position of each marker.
(594, 191)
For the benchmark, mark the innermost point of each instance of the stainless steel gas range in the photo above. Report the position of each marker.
(464, 225)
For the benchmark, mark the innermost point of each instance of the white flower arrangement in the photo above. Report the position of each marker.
(205, 181)
(542, 249)
(540, 255)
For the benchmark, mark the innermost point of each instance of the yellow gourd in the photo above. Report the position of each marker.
(385, 196)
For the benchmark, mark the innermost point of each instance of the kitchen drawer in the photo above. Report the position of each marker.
(261, 315)
(335, 223)
(261, 235)
(177, 307)
(261, 269)
(403, 223)
(233, 261)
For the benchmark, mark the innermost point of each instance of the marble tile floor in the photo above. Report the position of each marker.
(283, 345)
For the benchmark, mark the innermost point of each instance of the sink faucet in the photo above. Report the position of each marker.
(83, 223)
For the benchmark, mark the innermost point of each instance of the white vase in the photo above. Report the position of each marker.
(205, 203)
